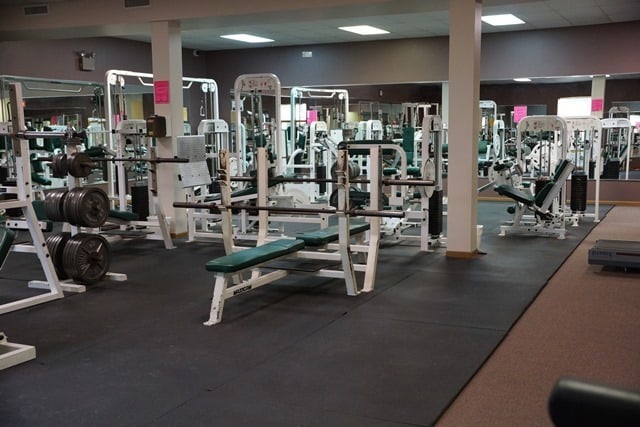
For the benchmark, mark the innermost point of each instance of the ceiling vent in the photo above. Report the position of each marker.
(36, 9)
(136, 3)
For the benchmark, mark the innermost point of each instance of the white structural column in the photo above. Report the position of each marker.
(597, 96)
(166, 48)
(464, 124)
(444, 111)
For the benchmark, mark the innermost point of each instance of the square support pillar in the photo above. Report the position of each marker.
(464, 123)
(166, 49)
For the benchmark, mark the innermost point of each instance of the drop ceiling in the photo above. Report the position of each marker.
(403, 19)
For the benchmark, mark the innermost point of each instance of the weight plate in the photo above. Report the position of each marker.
(71, 205)
(428, 173)
(55, 244)
(354, 170)
(59, 166)
(79, 165)
(54, 205)
(87, 258)
(92, 207)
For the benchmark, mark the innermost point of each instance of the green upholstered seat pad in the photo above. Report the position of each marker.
(414, 171)
(6, 239)
(389, 171)
(515, 194)
(125, 216)
(38, 208)
(247, 191)
(253, 256)
(40, 179)
(411, 170)
(330, 234)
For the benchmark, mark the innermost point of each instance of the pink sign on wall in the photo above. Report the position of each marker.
(161, 91)
(519, 112)
(312, 116)
(597, 104)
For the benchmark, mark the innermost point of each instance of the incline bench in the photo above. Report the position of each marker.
(232, 265)
(547, 222)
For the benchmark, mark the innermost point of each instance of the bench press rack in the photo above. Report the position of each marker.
(238, 261)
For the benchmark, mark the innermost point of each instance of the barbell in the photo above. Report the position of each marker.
(214, 207)
(80, 164)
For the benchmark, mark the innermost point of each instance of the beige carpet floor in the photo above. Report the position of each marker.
(585, 323)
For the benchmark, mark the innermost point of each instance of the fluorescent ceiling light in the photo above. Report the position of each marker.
(498, 20)
(522, 79)
(364, 30)
(247, 38)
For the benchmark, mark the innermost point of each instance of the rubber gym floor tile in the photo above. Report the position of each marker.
(403, 372)
(446, 299)
(208, 409)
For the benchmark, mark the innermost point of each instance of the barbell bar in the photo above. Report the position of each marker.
(385, 181)
(213, 207)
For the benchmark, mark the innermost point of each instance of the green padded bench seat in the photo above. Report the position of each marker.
(253, 256)
(39, 179)
(237, 193)
(248, 191)
(6, 240)
(411, 170)
(124, 216)
(517, 195)
(389, 171)
(330, 234)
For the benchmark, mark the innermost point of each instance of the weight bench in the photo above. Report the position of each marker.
(238, 262)
(331, 234)
(549, 218)
(232, 266)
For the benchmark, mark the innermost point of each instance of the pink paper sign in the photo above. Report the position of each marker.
(312, 116)
(161, 91)
(519, 112)
(597, 104)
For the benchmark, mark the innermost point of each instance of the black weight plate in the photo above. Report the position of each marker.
(69, 255)
(59, 167)
(54, 205)
(87, 258)
(56, 243)
(92, 207)
(79, 165)
(72, 205)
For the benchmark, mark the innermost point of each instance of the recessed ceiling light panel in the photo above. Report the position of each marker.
(499, 20)
(247, 38)
(364, 30)
(522, 79)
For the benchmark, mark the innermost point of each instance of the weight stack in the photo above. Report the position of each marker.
(611, 169)
(321, 173)
(436, 213)
(578, 191)
(140, 201)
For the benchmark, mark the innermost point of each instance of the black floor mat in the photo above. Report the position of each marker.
(297, 352)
